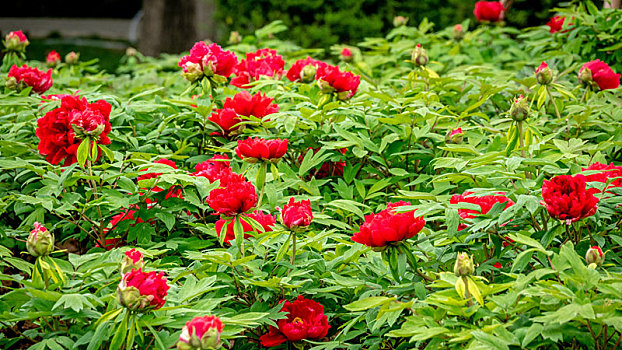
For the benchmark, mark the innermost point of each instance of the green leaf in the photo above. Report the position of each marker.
(367, 303)
(82, 153)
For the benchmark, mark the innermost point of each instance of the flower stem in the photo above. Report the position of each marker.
(548, 91)
(293, 247)
(521, 139)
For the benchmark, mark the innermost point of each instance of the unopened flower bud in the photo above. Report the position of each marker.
(585, 76)
(399, 21)
(454, 136)
(192, 72)
(235, 38)
(307, 74)
(72, 58)
(40, 241)
(595, 256)
(458, 31)
(209, 66)
(346, 55)
(464, 265)
(133, 259)
(12, 84)
(519, 110)
(325, 86)
(201, 333)
(53, 59)
(131, 52)
(419, 56)
(544, 75)
(16, 41)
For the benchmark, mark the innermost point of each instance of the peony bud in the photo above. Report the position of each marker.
(519, 110)
(307, 74)
(12, 84)
(325, 86)
(458, 31)
(201, 333)
(132, 260)
(235, 38)
(192, 72)
(16, 41)
(346, 55)
(399, 21)
(454, 136)
(585, 76)
(595, 256)
(53, 59)
(544, 75)
(464, 265)
(72, 58)
(140, 291)
(40, 242)
(131, 52)
(296, 214)
(419, 56)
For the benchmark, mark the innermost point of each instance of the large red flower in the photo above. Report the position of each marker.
(297, 214)
(606, 172)
(234, 196)
(253, 149)
(566, 198)
(305, 320)
(150, 285)
(331, 79)
(599, 73)
(491, 11)
(265, 220)
(243, 104)
(208, 60)
(263, 62)
(61, 130)
(28, 76)
(388, 226)
(485, 203)
(298, 72)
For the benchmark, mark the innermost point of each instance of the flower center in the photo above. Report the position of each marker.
(298, 320)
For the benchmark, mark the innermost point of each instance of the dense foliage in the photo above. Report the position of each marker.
(447, 189)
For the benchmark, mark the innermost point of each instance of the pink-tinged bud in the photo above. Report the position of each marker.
(296, 214)
(235, 38)
(519, 110)
(544, 75)
(16, 41)
(307, 73)
(53, 59)
(192, 72)
(72, 58)
(142, 291)
(454, 136)
(40, 242)
(201, 333)
(458, 31)
(595, 256)
(464, 265)
(419, 56)
(399, 21)
(132, 260)
(346, 55)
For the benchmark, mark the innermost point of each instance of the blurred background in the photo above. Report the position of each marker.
(104, 29)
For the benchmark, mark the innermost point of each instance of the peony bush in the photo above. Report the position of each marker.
(449, 189)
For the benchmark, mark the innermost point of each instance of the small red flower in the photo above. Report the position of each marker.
(20, 77)
(298, 72)
(606, 172)
(234, 196)
(346, 55)
(599, 73)
(331, 79)
(556, 24)
(209, 60)
(152, 287)
(173, 191)
(265, 220)
(52, 59)
(134, 255)
(497, 265)
(263, 62)
(305, 320)
(253, 149)
(243, 104)
(109, 243)
(566, 198)
(491, 11)
(485, 203)
(387, 226)
(202, 333)
(60, 129)
(297, 214)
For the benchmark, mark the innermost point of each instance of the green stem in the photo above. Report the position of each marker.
(467, 294)
(548, 91)
(521, 139)
(293, 247)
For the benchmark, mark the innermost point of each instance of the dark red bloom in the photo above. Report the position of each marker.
(497, 265)
(388, 226)
(491, 11)
(566, 198)
(265, 220)
(297, 214)
(52, 59)
(556, 23)
(254, 149)
(298, 72)
(305, 320)
(209, 60)
(61, 130)
(331, 79)
(485, 203)
(28, 76)
(243, 104)
(606, 172)
(263, 62)
(599, 73)
(150, 284)
(234, 196)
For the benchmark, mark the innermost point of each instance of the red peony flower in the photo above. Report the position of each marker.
(491, 11)
(566, 198)
(297, 214)
(133, 260)
(215, 168)
(243, 104)
(300, 72)
(173, 191)
(20, 77)
(62, 129)
(485, 203)
(201, 333)
(331, 79)
(387, 227)
(346, 55)
(263, 62)
(52, 59)
(556, 23)
(139, 290)
(265, 220)
(606, 172)
(497, 265)
(234, 196)
(109, 243)
(208, 60)
(305, 320)
(253, 149)
(599, 73)
(134, 255)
